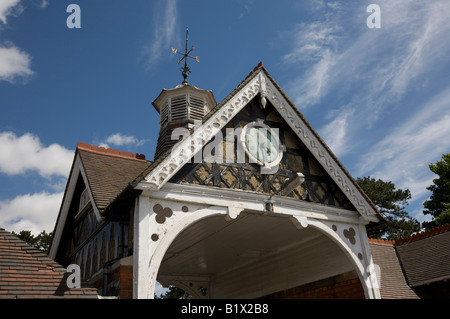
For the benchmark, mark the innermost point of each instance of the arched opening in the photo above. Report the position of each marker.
(252, 256)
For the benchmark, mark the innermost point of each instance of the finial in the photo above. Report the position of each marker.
(185, 71)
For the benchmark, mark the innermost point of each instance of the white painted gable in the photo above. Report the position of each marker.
(260, 82)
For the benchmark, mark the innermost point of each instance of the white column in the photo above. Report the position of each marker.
(372, 288)
(157, 223)
(141, 249)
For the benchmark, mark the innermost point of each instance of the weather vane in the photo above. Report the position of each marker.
(185, 71)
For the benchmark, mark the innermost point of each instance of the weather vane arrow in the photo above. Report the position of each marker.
(185, 71)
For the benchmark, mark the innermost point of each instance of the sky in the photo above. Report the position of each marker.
(378, 96)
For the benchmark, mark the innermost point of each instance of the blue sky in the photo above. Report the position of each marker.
(379, 97)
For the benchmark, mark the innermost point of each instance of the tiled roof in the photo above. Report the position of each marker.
(425, 256)
(392, 282)
(109, 171)
(422, 235)
(26, 272)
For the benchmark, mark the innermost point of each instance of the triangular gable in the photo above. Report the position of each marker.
(258, 82)
(108, 172)
(105, 173)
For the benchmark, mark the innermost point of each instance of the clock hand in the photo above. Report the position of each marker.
(262, 147)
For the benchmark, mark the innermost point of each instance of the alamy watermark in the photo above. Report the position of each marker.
(74, 19)
(374, 19)
(74, 279)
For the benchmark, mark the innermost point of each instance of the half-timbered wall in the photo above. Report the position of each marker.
(90, 242)
(318, 186)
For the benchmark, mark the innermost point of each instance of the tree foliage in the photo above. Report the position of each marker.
(174, 293)
(438, 205)
(178, 293)
(391, 203)
(41, 241)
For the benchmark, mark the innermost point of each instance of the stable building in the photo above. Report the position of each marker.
(243, 200)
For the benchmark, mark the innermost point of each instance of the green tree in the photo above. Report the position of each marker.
(391, 203)
(438, 205)
(178, 293)
(174, 293)
(41, 241)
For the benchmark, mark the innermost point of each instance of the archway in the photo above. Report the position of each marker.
(251, 256)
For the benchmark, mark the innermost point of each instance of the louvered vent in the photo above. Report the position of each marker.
(178, 108)
(196, 108)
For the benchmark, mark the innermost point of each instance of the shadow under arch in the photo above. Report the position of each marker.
(364, 273)
(314, 232)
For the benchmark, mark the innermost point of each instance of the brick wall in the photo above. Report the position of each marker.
(120, 280)
(344, 286)
(124, 274)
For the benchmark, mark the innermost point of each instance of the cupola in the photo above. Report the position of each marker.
(180, 106)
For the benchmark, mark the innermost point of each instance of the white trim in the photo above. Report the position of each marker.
(181, 153)
(141, 244)
(316, 147)
(251, 201)
(67, 201)
(148, 254)
(268, 166)
(260, 83)
(362, 267)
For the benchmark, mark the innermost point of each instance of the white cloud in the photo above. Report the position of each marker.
(384, 63)
(247, 6)
(311, 41)
(312, 47)
(44, 4)
(21, 154)
(9, 7)
(164, 30)
(335, 132)
(119, 139)
(418, 36)
(14, 63)
(378, 73)
(34, 212)
(404, 154)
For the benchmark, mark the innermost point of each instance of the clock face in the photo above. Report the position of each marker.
(261, 144)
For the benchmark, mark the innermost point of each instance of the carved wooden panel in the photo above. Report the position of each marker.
(94, 251)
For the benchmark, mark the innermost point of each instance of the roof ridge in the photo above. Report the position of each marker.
(424, 234)
(383, 242)
(255, 69)
(110, 151)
